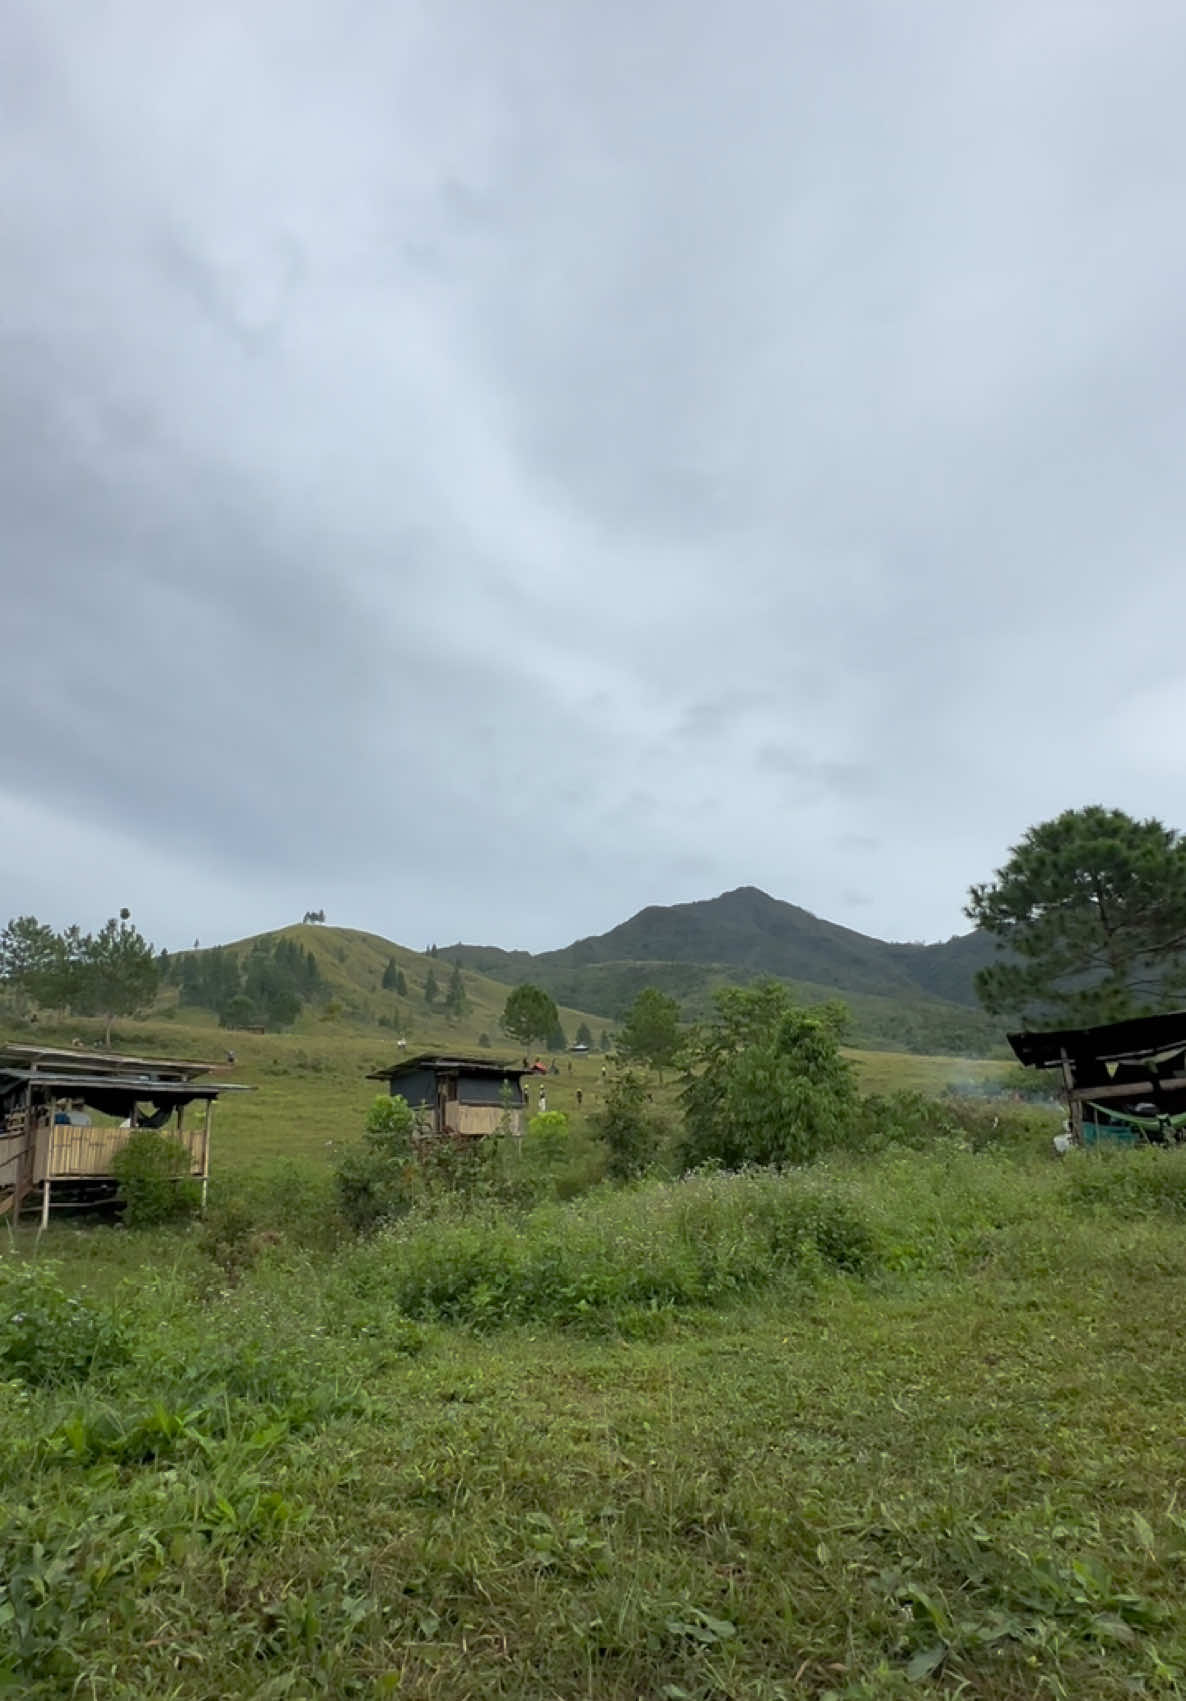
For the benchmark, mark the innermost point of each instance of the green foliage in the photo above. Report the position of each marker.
(1091, 908)
(766, 1083)
(484, 1041)
(267, 987)
(650, 1030)
(111, 973)
(390, 981)
(601, 1260)
(529, 1014)
(557, 1039)
(456, 1002)
(49, 1336)
(584, 1035)
(547, 1138)
(631, 1133)
(376, 1179)
(1137, 1183)
(154, 1179)
(432, 990)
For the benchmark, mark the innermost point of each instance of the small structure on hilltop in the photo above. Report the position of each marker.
(1124, 1081)
(465, 1097)
(54, 1151)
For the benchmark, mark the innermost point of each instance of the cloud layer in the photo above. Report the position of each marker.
(483, 470)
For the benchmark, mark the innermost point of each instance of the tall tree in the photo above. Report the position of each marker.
(28, 953)
(120, 973)
(651, 1031)
(583, 1035)
(456, 1002)
(529, 1014)
(1090, 916)
(432, 990)
(390, 975)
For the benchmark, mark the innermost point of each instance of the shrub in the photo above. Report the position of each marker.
(376, 1180)
(767, 1083)
(48, 1336)
(663, 1246)
(631, 1133)
(153, 1173)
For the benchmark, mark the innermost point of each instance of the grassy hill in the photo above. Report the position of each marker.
(351, 964)
(909, 997)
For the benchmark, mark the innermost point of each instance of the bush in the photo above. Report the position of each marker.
(48, 1336)
(667, 1245)
(631, 1133)
(767, 1083)
(376, 1180)
(153, 1173)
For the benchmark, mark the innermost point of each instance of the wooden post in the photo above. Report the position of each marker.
(45, 1204)
(1074, 1107)
(206, 1150)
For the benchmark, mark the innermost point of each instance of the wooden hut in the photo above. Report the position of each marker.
(465, 1097)
(65, 1114)
(1123, 1081)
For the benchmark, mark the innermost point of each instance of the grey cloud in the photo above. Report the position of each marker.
(508, 469)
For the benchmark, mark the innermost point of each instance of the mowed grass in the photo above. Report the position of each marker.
(957, 1472)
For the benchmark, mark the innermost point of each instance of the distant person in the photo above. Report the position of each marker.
(543, 1101)
(555, 1069)
(230, 1057)
(62, 1115)
(570, 1066)
(580, 1098)
(78, 1114)
(527, 1097)
(526, 1065)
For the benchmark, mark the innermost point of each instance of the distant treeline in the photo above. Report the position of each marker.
(264, 987)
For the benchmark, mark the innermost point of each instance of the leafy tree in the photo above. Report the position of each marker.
(1090, 915)
(28, 954)
(484, 1040)
(432, 990)
(529, 1014)
(583, 1035)
(633, 1135)
(456, 1002)
(238, 1012)
(557, 1039)
(651, 1030)
(401, 983)
(766, 1083)
(119, 973)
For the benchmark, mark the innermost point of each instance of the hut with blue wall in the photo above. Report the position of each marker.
(464, 1097)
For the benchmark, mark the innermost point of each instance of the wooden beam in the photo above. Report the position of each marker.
(1128, 1089)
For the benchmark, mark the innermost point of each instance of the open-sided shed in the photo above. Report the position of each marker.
(1122, 1080)
(50, 1099)
(462, 1096)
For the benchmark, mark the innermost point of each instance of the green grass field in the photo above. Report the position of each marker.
(908, 1424)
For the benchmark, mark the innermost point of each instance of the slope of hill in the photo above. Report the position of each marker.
(351, 965)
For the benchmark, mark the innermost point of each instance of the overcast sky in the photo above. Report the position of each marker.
(483, 468)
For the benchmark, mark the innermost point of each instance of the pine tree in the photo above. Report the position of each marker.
(431, 989)
(456, 1002)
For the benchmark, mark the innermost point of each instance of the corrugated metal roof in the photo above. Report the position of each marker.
(441, 1064)
(1112, 1042)
(110, 1063)
(143, 1086)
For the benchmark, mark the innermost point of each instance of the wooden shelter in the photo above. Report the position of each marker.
(465, 1097)
(1123, 1081)
(51, 1143)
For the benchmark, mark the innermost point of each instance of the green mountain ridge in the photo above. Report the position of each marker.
(917, 997)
